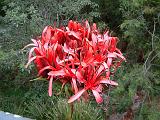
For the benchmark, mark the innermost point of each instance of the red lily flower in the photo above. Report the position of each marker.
(77, 54)
(93, 81)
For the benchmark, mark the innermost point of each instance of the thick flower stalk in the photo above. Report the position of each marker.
(77, 54)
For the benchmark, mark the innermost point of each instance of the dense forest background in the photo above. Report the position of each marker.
(135, 22)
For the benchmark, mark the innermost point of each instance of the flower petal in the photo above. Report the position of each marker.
(107, 81)
(100, 69)
(29, 46)
(46, 68)
(97, 96)
(110, 55)
(50, 86)
(120, 56)
(109, 62)
(30, 60)
(57, 73)
(76, 96)
(74, 85)
(30, 52)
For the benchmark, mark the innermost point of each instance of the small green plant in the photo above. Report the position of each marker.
(60, 110)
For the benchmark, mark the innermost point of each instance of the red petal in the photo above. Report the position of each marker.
(57, 73)
(30, 60)
(99, 88)
(88, 28)
(30, 52)
(74, 85)
(76, 96)
(46, 68)
(54, 54)
(50, 54)
(106, 36)
(109, 62)
(35, 42)
(100, 69)
(118, 51)
(89, 56)
(105, 65)
(78, 75)
(46, 34)
(28, 46)
(94, 26)
(113, 44)
(70, 24)
(75, 26)
(67, 50)
(108, 74)
(50, 87)
(106, 81)
(100, 58)
(120, 56)
(97, 96)
(112, 55)
(94, 39)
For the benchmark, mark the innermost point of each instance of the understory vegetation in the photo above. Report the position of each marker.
(137, 25)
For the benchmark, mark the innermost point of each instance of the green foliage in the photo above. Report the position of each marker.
(60, 110)
(109, 14)
(136, 22)
(139, 18)
(15, 99)
(25, 19)
(132, 81)
(149, 111)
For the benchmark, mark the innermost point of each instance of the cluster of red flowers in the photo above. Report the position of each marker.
(77, 54)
